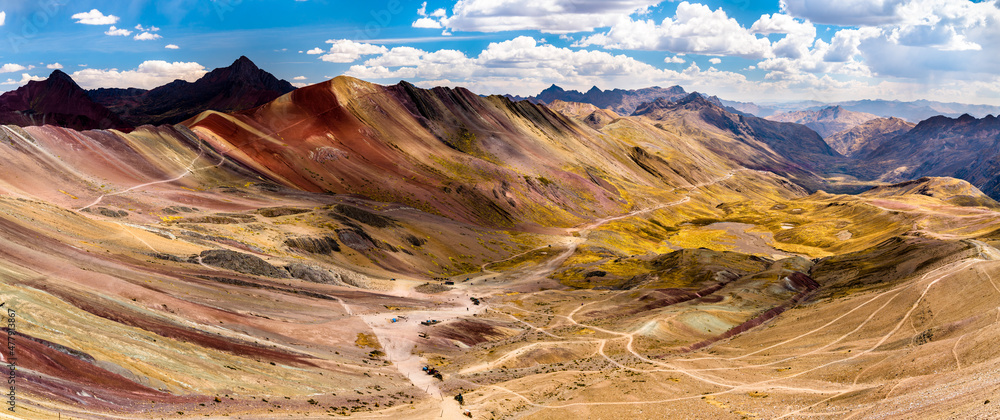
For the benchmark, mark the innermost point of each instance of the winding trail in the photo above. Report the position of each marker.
(188, 171)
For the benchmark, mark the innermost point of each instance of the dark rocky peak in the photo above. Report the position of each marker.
(552, 89)
(60, 76)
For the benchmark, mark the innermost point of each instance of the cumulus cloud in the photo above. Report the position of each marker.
(140, 28)
(347, 51)
(715, 60)
(432, 21)
(315, 51)
(920, 39)
(674, 60)
(299, 78)
(799, 36)
(3, 18)
(549, 16)
(95, 17)
(146, 36)
(524, 65)
(54, 66)
(113, 31)
(695, 28)
(426, 22)
(11, 67)
(845, 12)
(25, 78)
(147, 75)
(172, 47)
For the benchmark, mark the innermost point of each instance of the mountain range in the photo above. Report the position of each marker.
(57, 100)
(625, 101)
(620, 101)
(60, 101)
(912, 111)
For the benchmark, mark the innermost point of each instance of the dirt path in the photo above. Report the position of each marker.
(188, 171)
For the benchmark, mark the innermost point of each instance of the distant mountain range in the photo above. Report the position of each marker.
(621, 101)
(625, 102)
(913, 111)
(58, 100)
(866, 147)
(965, 147)
(868, 136)
(826, 121)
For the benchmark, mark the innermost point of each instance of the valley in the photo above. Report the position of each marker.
(310, 257)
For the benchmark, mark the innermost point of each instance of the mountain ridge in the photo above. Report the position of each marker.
(241, 85)
(57, 100)
(621, 101)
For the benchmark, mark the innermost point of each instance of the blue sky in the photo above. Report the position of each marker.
(762, 51)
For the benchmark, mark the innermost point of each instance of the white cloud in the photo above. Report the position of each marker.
(844, 12)
(25, 78)
(3, 18)
(919, 39)
(945, 25)
(347, 51)
(95, 17)
(315, 51)
(299, 78)
(525, 66)
(715, 60)
(432, 21)
(298, 85)
(426, 22)
(148, 75)
(113, 31)
(549, 16)
(799, 35)
(694, 29)
(54, 66)
(146, 36)
(172, 47)
(11, 67)
(674, 60)
(140, 28)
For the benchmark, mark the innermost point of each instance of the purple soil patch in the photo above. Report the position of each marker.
(660, 298)
(117, 313)
(69, 375)
(468, 332)
(799, 281)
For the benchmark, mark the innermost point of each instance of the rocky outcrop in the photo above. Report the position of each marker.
(314, 245)
(241, 263)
